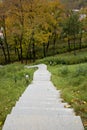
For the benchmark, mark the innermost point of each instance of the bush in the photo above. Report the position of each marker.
(80, 71)
(63, 71)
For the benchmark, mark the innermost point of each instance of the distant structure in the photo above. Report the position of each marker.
(75, 10)
(82, 16)
(1, 34)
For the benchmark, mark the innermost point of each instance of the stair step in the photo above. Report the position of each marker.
(49, 99)
(41, 108)
(42, 111)
(40, 104)
(37, 122)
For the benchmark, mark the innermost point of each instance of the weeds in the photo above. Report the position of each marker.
(65, 59)
(72, 81)
(12, 85)
(63, 71)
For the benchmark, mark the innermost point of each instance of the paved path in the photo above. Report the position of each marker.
(40, 107)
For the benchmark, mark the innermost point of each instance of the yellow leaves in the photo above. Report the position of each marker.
(41, 15)
(41, 37)
(65, 39)
(9, 21)
(72, 101)
(84, 102)
(78, 101)
(1, 123)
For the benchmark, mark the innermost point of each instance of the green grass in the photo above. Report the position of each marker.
(12, 85)
(72, 81)
(69, 74)
(66, 58)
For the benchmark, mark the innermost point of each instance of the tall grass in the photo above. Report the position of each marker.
(65, 59)
(12, 85)
(72, 81)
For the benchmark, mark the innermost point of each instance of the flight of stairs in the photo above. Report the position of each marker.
(41, 108)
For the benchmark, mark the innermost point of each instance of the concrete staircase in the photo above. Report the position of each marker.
(41, 108)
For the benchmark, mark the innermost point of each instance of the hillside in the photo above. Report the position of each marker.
(75, 3)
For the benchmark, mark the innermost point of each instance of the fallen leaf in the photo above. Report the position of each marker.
(67, 106)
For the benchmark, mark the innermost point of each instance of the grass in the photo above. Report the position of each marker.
(66, 58)
(69, 74)
(72, 81)
(12, 85)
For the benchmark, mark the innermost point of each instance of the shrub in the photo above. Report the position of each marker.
(80, 71)
(63, 71)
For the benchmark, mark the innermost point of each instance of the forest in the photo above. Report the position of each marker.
(33, 29)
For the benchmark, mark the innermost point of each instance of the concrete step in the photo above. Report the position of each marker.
(40, 107)
(44, 83)
(42, 78)
(45, 99)
(42, 111)
(42, 100)
(40, 104)
(41, 89)
(40, 92)
(37, 122)
(40, 95)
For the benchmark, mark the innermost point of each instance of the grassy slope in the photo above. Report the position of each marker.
(67, 58)
(12, 85)
(69, 74)
(72, 81)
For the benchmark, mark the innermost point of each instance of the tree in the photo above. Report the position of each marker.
(17, 12)
(31, 24)
(2, 45)
(72, 29)
(83, 14)
(57, 14)
(3, 17)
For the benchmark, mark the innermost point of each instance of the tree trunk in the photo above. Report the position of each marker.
(18, 54)
(33, 49)
(69, 45)
(47, 47)
(80, 42)
(4, 54)
(3, 50)
(54, 41)
(22, 31)
(5, 39)
(74, 45)
(26, 58)
(27, 53)
(17, 50)
(21, 50)
(48, 44)
(44, 51)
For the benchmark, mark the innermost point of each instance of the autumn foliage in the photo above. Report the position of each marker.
(31, 27)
